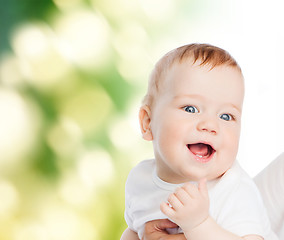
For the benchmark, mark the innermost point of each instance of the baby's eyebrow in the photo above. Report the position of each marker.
(234, 106)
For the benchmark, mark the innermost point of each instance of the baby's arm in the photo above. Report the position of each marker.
(128, 234)
(190, 210)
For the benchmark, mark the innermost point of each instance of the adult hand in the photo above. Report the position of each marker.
(156, 230)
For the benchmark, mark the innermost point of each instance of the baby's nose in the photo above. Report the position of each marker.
(209, 125)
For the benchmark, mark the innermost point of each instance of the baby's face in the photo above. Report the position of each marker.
(196, 121)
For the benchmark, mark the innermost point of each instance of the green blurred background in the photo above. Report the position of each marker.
(72, 75)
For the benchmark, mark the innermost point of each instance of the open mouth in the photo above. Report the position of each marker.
(201, 150)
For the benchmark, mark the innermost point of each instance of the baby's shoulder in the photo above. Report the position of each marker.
(143, 168)
(141, 174)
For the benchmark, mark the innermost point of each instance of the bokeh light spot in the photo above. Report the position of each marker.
(158, 10)
(64, 224)
(10, 202)
(30, 230)
(18, 127)
(73, 190)
(10, 73)
(65, 138)
(40, 59)
(95, 168)
(84, 38)
(89, 108)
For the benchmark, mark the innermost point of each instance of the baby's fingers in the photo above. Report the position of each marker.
(202, 187)
(167, 209)
(174, 201)
(171, 206)
(182, 195)
(191, 190)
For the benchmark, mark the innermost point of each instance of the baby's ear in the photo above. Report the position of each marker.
(145, 120)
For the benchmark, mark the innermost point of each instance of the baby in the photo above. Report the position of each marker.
(192, 114)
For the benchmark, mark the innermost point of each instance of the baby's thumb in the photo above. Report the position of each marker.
(202, 186)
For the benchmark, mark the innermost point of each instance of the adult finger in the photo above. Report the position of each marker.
(160, 224)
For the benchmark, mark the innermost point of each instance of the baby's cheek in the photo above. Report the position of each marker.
(234, 143)
(231, 148)
(170, 138)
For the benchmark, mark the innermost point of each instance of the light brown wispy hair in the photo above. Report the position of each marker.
(204, 54)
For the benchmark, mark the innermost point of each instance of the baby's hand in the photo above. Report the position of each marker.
(188, 206)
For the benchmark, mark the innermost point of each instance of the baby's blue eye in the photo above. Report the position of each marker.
(226, 117)
(190, 109)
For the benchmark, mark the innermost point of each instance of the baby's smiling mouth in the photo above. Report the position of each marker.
(201, 150)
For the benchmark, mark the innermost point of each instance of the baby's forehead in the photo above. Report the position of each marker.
(191, 67)
(195, 73)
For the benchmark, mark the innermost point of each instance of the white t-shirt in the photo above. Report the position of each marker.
(235, 202)
(270, 183)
